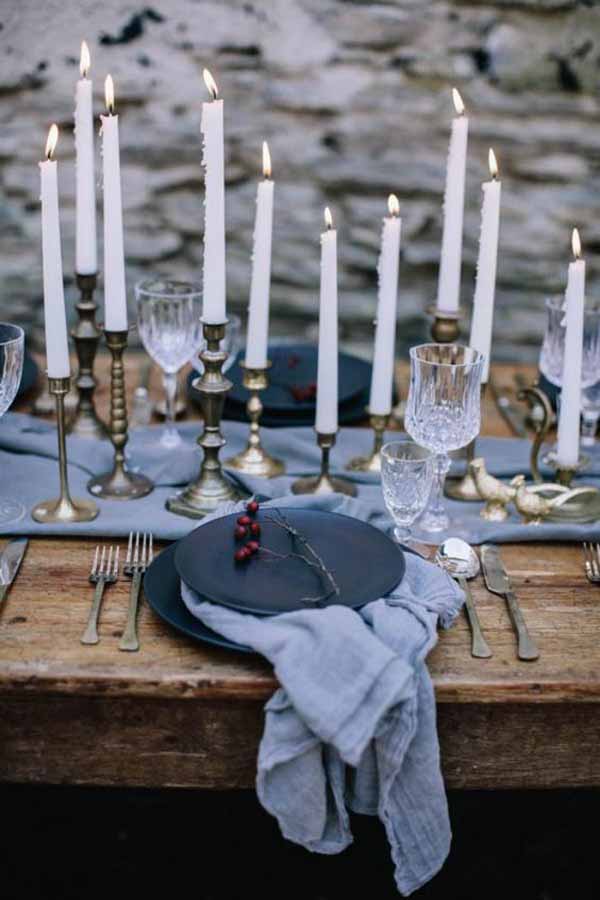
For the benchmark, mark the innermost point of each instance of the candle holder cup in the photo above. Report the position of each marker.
(372, 462)
(86, 334)
(211, 487)
(119, 483)
(255, 460)
(65, 509)
(445, 326)
(324, 482)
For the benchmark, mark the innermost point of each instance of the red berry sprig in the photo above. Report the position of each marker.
(244, 528)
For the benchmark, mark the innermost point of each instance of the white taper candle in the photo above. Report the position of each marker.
(55, 320)
(213, 298)
(567, 453)
(454, 200)
(327, 373)
(258, 313)
(86, 261)
(382, 379)
(115, 294)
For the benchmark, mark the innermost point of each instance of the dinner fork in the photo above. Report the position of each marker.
(140, 553)
(591, 562)
(105, 570)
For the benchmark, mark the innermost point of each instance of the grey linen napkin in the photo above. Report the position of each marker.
(353, 725)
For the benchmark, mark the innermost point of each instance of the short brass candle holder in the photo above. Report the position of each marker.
(65, 509)
(445, 326)
(211, 487)
(372, 462)
(119, 483)
(565, 474)
(86, 334)
(324, 483)
(255, 460)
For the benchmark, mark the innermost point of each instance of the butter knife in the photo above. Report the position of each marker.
(10, 560)
(498, 582)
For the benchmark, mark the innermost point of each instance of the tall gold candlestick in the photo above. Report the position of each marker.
(255, 460)
(86, 334)
(65, 509)
(372, 462)
(324, 482)
(211, 487)
(119, 483)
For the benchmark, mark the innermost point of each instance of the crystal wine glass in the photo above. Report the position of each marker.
(406, 479)
(443, 411)
(12, 346)
(552, 353)
(169, 322)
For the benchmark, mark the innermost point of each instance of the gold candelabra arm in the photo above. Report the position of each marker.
(535, 396)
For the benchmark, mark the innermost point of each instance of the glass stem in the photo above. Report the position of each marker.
(170, 385)
(589, 425)
(436, 505)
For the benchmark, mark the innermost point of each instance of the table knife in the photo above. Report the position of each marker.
(498, 582)
(10, 560)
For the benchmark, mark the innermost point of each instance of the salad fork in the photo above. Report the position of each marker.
(591, 562)
(105, 570)
(140, 553)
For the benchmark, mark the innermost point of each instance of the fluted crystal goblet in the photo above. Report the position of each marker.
(169, 323)
(12, 349)
(443, 411)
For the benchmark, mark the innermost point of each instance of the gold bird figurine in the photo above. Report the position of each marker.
(531, 504)
(497, 494)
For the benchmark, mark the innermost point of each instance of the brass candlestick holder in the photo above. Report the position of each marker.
(445, 326)
(372, 462)
(212, 487)
(255, 460)
(119, 483)
(65, 509)
(565, 474)
(86, 334)
(324, 483)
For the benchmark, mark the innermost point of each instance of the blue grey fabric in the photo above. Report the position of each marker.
(353, 725)
(28, 471)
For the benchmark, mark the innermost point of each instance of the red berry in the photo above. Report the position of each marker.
(252, 506)
(240, 532)
(244, 520)
(253, 546)
(241, 555)
(255, 528)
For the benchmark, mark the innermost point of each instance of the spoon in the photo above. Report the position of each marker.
(461, 562)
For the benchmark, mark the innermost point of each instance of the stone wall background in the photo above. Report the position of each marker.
(354, 99)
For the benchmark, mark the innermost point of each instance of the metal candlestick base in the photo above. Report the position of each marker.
(86, 334)
(371, 463)
(212, 487)
(119, 483)
(65, 508)
(445, 327)
(324, 483)
(255, 460)
(565, 474)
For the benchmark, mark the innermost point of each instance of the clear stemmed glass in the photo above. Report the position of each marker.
(406, 478)
(443, 411)
(552, 353)
(169, 322)
(12, 347)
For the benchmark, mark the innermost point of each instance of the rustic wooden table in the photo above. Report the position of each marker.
(178, 713)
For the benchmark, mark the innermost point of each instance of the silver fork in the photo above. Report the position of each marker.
(591, 562)
(140, 553)
(105, 570)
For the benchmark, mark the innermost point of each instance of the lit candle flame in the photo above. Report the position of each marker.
(459, 106)
(492, 163)
(109, 94)
(84, 60)
(328, 218)
(576, 244)
(393, 205)
(211, 84)
(51, 142)
(266, 160)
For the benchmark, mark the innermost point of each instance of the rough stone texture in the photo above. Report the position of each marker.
(354, 99)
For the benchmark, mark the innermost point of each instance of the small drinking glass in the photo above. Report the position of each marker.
(443, 411)
(169, 323)
(12, 348)
(552, 353)
(406, 478)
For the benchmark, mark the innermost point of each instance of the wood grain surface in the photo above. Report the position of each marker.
(182, 713)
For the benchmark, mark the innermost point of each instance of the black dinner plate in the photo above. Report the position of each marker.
(364, 561)
(162, 590)
(349, 413)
